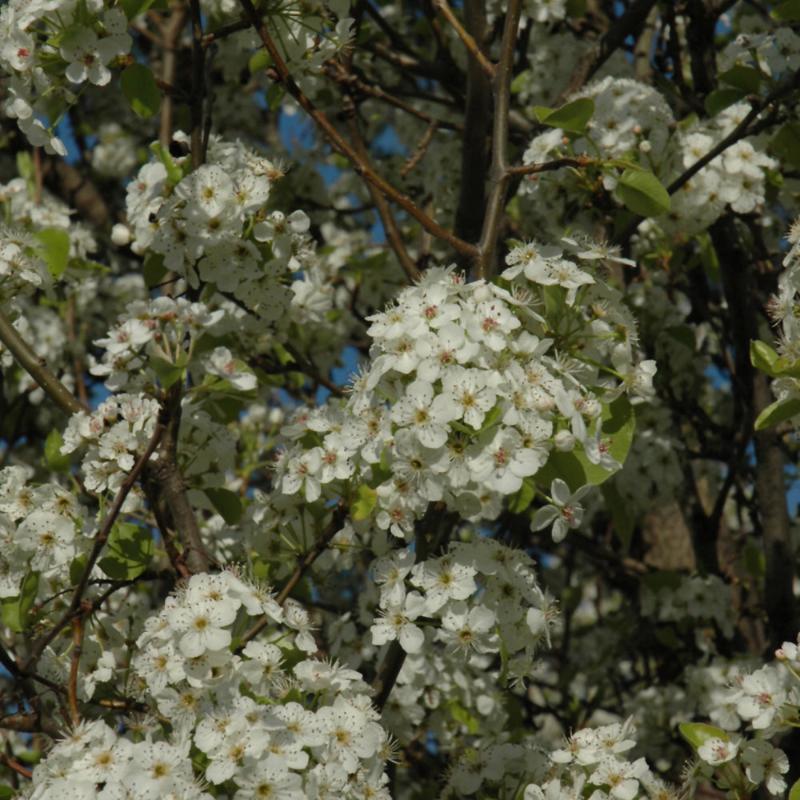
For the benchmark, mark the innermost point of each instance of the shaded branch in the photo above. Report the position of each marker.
(474, 153)
(100, 540)
(627, 25)
(498, 174)
(36, 367)
(473, 47)
(303, 565)
(361, 166)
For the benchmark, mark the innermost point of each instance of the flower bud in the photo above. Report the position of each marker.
(120, 235)
(564, 441)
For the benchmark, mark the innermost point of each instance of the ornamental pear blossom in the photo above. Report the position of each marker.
(222, 363)
(390, 573)
(203, 627)
(504, 461)
(766, 764)
(467, 628)
(564, 512)
(716, 751)
(424, 415)
(87, 56)
(397, 622)
(761, 696)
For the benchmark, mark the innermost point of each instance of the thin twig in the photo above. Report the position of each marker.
(390, 227)
(628, 24)
(72, 686)
(170, 34)
(550, 166)
(99, 542)
(420, 149)
(16, 766)
(362, 167)
(473, 48)
(739, 132)
(198, 84)
(335, 71)
(303, 565)
(498, 174)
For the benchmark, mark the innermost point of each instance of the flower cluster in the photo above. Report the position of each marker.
(211, 225)
(115, 433)
(49, 47)
(736, 178)
(149, 338)
(303, 731)
(22, 270)
(469, 390)
(42, 529)
(483, 595)
(597, 757)
(632, 123)
(767, 701)
(694, 597)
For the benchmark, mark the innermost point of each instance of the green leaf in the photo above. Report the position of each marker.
(167, 372)
(133, 8)
(788, 12)
(154, 270)
(618, 425)
(129, 549)
(763, 357)
(174, 172)
(361, 508)
(642, 193)
(140, 89)
(523, 498)
(6, 792)
(463, 716)
(54, 249)
(786, 367)
(794, 792)
(227, 503)
(720, 99)
(786, 144)
(572, 117)
(620, 514)
(492, 417)
(14, 610)
(25, 168)
(779, 411)
(746, 79)
(76, 569)
(697, 733)
(275, 95)
(53, 457)
(260, 60)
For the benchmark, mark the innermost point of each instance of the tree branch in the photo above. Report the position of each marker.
(303, 565)
(473, 47)
(363, 168)
(393, 235)
(474, 153)
(100, 540)
(498, 175)
(170, 35)
(198, 85)
(25, 356)
(627, 25)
